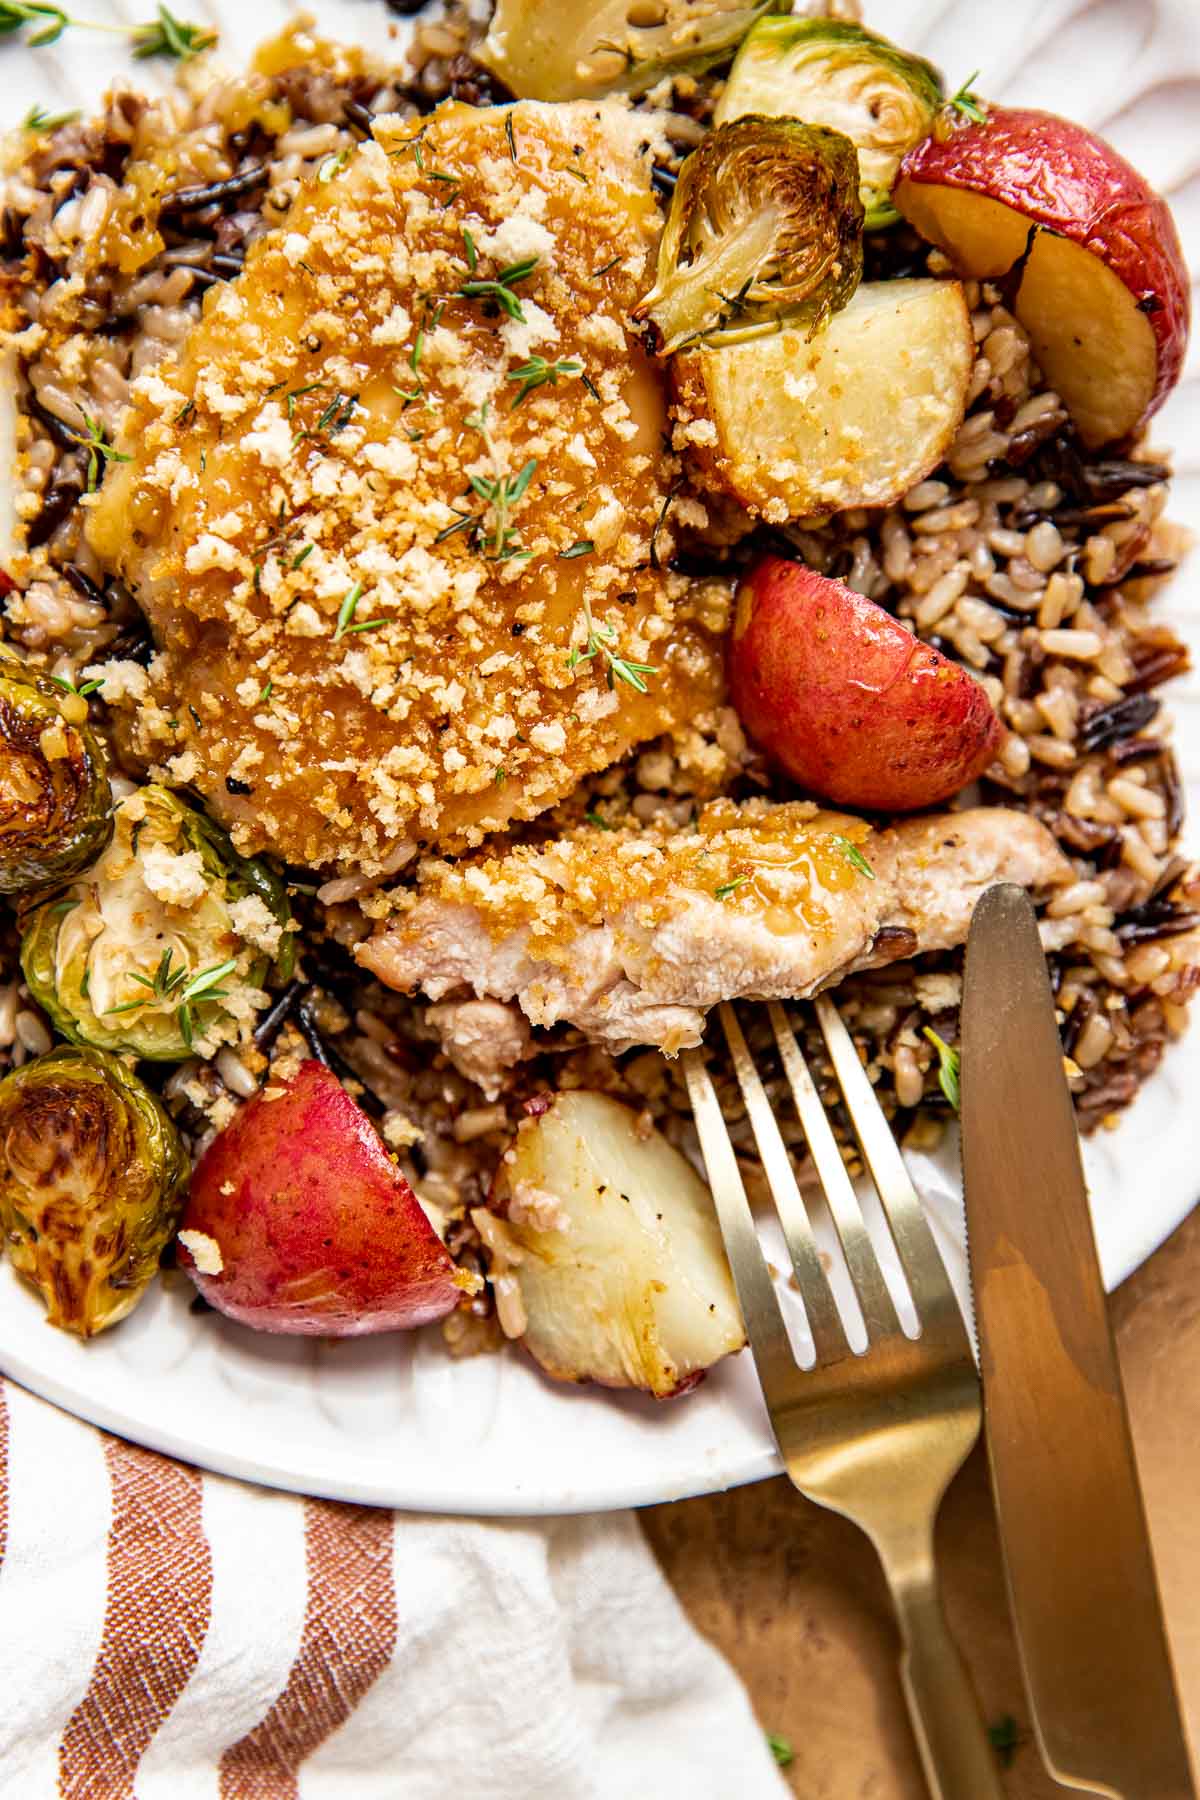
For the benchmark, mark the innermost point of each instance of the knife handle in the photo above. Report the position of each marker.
(958, 1760)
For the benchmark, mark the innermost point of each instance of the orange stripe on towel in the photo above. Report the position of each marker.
(347, 1642)
(158, 1604)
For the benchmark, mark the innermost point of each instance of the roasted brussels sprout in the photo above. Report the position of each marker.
(92, 1175)
(153, 949)
(577, 49)
(832, 72)
(54, 795)
(765, 229)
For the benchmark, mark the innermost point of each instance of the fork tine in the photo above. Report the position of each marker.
(824, 1321)
(879, 1313)
(777, 1368)
(915, 1244)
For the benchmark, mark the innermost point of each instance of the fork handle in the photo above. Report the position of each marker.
(958, 1760)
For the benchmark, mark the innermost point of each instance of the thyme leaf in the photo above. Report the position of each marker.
(94, 439)
(728, 887)
(581, 547)
(968, 104)
(948, 1068)
(853, 855)
(599, 642)
(166, 35)
(537, 371)
(38, 120)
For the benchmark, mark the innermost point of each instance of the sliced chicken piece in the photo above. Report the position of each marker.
(402, 499)
(484, 1039)
(633, 935)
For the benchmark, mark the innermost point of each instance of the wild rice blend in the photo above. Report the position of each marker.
(1031, 562)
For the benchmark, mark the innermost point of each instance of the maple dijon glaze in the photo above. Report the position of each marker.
(360, 645)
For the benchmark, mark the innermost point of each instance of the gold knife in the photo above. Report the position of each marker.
(1080, 1576)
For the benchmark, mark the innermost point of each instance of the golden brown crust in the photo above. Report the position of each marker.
(341, 408)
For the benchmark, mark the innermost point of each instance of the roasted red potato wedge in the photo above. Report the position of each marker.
(846, 701)
(1104, 290)
(299, 1221)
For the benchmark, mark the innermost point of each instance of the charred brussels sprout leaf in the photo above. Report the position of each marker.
(578, 49)
(765, 230)
(54, 794)
(91, 1184)
(151, 951)
(832, 72)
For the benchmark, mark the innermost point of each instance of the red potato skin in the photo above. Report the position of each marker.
(319, 1232)
(846, 701)
(1063, 176)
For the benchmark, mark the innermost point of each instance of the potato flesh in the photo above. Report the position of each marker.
(633, 1290)
(1087, 334)
(853, 417)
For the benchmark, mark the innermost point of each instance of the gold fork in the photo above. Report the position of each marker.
(876, 1436)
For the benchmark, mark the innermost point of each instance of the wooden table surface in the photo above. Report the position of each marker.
(794, 1598)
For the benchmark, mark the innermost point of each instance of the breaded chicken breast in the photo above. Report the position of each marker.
(395, 514)
(632, 935)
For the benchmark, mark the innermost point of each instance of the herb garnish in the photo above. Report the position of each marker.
(332, 165)
(266, 692)
(536, 371)
(948, 1068)
(508, 132)
(605, 267)
(164, 35)
(500, 777)
(501, 289)
(37, 120)
(295, 394)
(336, 416)
(853, 855)
(599, 642)
(780, 1749)
(173, 986)
(501, 493)
(168, 36)
(581, 547)
(94, 439)
(968, 104)
(302, 556)
(728, 887)
(469, 247)
(594, 818)
(68, 686)
(346, 622)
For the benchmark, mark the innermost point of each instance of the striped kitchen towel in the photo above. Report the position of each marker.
(168, 1635)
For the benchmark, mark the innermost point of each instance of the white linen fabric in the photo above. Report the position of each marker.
(172, 1635)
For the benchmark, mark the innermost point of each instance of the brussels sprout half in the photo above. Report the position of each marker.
(54, 794)
(579, 49)
(92, 1175)
(765, 229)
(832, 72)
(134, 955)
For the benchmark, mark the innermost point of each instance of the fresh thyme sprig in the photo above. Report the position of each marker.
(171, 985)
(346, 621)
(853, 855)
(68, 686)
(37, 120)
(502, 492)
(501, 289)
(164, 35)
(94, 440)
(728, 887)
(599, 642)
(948, 1068)
(537, 371)
(168, 36)
(968, 104)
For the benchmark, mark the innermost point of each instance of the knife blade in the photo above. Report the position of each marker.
(1072, 1525)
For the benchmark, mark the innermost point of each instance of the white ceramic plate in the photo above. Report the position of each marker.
(393, 1420)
